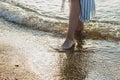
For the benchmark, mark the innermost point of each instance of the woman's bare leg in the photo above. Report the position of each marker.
(74, 23)
(80, 26)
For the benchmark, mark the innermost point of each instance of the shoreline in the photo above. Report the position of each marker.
(26, 54)
(30, 19)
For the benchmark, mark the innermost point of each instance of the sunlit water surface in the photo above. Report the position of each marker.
(107, 13)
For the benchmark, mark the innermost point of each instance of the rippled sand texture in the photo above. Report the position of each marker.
(27, 54)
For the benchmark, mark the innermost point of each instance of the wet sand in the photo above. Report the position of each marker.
(27, 54)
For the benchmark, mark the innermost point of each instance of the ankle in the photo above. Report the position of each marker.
(79, 30)
(69, 39)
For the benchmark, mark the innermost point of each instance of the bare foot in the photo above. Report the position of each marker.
(67, 44)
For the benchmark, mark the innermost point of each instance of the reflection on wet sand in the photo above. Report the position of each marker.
(75, 65)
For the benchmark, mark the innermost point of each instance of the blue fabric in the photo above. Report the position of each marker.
(87, 10)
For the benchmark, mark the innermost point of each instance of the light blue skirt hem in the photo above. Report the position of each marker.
(87, 10)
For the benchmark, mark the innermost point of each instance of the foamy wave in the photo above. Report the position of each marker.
(20, 16)
(11, 13)
(30, 19)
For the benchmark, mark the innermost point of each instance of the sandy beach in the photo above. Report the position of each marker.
(26, 54)
(29, 34)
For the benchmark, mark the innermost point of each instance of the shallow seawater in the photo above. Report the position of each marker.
(106, 22)
(108, 10)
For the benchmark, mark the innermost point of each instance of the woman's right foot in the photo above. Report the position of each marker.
(79, 36)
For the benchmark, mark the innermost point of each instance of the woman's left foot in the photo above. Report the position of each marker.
(68, 44)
